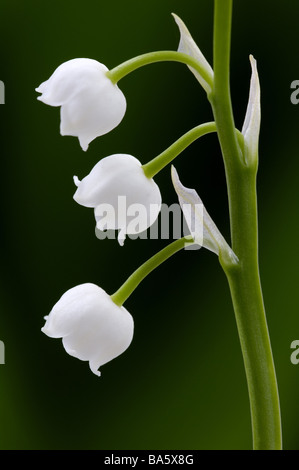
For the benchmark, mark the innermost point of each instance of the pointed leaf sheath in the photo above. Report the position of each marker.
(188, 46)
(201, 226)
(252, 122)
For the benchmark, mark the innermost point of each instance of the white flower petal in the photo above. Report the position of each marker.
(93, 364)
(91, 105)
(69, 310)
(92, 327)
(76, 180)
(68, 79)
(252, 121)
(121, 236)
(188, 46)
(201, 226)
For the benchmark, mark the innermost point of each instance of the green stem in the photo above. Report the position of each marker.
(157, 164)
(131, 65)
(244, 279)
(121, 295)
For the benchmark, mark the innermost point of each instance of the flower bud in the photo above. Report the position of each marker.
(92, 327)
(91, 105)
(118, 187)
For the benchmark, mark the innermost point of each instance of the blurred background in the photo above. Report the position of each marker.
(181, 384)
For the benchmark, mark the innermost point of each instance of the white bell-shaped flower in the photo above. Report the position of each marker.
(123, 197)
(92, 327)
(91, 105)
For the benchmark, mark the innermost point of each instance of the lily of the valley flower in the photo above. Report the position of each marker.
(92, 327)
(91, 105)
(252, 122)
(113, 179)
(188, 46)
(202, 227)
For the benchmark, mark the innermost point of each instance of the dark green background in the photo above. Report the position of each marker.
(181, 384)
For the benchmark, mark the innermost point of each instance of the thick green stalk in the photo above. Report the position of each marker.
(122, 294)
(244, 279)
